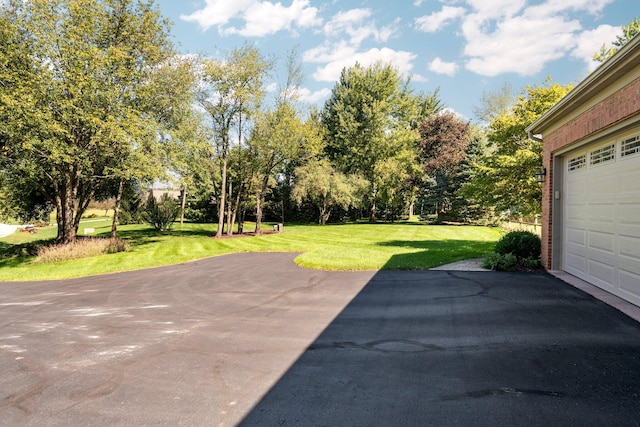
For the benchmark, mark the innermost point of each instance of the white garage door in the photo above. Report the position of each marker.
(601, 213)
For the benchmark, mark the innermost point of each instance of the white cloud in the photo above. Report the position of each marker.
(217, 12)
(441, 67)
(590, 42)
(494, 9)
(419, 78)
(437, 20)
(313, 97)
(348, 57)
(345, 33)
(593, 7)
(507, 36)
(260, 18)
(358, 26)
(272, 87)
(266, 18)
(520, 45)
(459, 116)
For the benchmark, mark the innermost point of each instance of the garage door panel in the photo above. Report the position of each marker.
(604, 196)
(576, 212)
(601, 221)
(575, 264)
(575, 236)
(602, 241)
(630, 248)
(629, 285)
(578, 187)
(601, 213)
(628, 178)
(601, 271)
(629, 214)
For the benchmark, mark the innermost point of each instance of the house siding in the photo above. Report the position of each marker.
(617, 107)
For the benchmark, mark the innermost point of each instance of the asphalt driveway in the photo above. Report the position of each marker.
(251, 339)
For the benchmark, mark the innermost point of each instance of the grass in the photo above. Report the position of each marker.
(332, 247)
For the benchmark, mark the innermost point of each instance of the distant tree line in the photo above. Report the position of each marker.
(95, 104)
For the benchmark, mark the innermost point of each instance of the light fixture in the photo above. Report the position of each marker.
(541, 173)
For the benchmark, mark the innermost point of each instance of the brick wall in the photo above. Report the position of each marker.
(617, 107)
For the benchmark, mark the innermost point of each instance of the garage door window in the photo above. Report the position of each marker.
(578, 162)
(603, 154)
(630, 146)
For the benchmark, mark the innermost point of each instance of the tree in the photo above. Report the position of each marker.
(442, 146)
(79, 97)
(160, 213)
(277, 138)
(326, 188)
(280, 136)
(628, 32)
(494, 104)
(231, 90)
(504, 179)
(369, 118)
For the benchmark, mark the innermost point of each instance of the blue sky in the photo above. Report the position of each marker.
(462, 47)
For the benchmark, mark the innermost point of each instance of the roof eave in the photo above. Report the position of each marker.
(627, 57)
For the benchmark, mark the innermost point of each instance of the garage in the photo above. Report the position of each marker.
(601, 215)
(590, 177)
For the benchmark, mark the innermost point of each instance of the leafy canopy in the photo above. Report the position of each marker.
(504, 179)
(89, 91)
(628, 32)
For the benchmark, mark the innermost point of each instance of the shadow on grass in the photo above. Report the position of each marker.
(434, 252)
(143, 236)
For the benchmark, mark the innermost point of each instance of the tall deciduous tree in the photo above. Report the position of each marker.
(80, 97)
(495, 103)
(278, 137)
(505, 178)
(442, 146)
(232, 89)
(370, 117)
(326, 188)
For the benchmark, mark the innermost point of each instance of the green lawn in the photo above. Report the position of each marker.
(332, 247)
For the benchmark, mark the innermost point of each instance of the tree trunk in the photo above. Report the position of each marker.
(66, 205)
(66, 230)
(324, 215)
(261, 197)
(374, 193)
(116, 210)
(372, 215)
(230, 206)
(183, 204)
(223, 197)
(235, 210)
(241, 214)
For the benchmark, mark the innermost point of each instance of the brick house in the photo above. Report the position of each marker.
(591, 187)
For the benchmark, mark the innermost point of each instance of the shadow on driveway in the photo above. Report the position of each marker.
(464, 348)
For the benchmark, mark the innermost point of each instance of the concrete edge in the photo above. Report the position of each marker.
(608, 298)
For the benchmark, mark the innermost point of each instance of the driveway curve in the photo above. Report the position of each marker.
(252, 339)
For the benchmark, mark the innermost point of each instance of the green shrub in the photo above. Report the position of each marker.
(161, 214)
(522, 244)
(500, 262)
(131, 209)
(530, 263)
